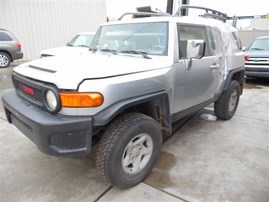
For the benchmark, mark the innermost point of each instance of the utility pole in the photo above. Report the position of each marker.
(171, 6)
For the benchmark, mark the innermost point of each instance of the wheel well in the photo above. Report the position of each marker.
(8, 54)
(240, 77)
(158, 109)
(237, 75)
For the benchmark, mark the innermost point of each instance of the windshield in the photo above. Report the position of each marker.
(147, 38)
(83, 40)
(260, 44)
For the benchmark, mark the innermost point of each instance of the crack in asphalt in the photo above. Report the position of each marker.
(101, 195)
(182, 199)
(258, 119)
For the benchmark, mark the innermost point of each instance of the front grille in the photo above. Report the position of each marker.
(29, 89)
(257, 62)
(34, 91)
(36, 95)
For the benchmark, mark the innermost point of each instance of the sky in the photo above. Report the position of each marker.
(231, 7)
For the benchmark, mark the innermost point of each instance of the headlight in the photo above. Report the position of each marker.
(51, 100)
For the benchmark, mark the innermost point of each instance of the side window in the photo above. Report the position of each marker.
(188, 32)
(4, 37)
(236, 41)
(216, 41)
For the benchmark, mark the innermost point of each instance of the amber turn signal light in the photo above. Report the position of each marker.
(75, 99)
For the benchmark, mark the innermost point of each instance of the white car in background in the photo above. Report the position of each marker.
(79, 44)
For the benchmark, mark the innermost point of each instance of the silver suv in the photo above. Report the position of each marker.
(10, 48)
(139, 77)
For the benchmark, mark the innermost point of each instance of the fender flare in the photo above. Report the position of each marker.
(240, 78)
(162, 101)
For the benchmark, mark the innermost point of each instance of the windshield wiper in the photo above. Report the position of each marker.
(144, 54)
(82, 45)
(93, 49)
(109, 50)
(257, 49)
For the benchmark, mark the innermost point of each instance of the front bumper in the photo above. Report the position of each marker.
(53, 134)
(257, 72)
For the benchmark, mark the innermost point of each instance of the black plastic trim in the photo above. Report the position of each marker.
(192, 110)
(43, 127)
(43, 88)
(105, 116)
(230, 76)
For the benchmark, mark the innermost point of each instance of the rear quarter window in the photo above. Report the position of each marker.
(236, 42)
(5, 37)
(216, 40)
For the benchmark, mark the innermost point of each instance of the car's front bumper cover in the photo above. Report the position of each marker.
(257, 72)
(53, 134)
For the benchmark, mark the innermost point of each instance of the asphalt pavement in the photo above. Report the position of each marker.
(203, 161)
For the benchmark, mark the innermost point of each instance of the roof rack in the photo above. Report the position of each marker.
(210, 13)
(144, 14)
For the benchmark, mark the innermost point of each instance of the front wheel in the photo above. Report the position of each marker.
(226, 105)
(128, 149)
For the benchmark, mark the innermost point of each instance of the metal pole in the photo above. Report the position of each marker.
(169, 7)
(185, 12)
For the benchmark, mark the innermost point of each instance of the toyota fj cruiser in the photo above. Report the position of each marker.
(139, 76)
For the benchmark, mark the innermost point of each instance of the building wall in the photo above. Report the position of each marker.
(247, 36)
(259, 23)
(41, 24)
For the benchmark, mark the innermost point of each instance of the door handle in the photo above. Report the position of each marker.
(214, 66)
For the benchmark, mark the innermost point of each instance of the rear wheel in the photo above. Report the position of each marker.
(227, 104)
(128, 149)
(4, 60)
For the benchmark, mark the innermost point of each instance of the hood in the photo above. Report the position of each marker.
(67, 72)
(64, 50)
(258, 54)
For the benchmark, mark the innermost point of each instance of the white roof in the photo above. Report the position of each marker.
(179, 19)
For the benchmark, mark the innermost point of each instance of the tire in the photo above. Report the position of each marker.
(227, 104)
(4, 60)
(128, 149)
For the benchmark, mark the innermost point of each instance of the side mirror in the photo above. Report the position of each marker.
(195, 49)
(244, 49)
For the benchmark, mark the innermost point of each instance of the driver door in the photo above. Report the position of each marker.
(196, 84)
